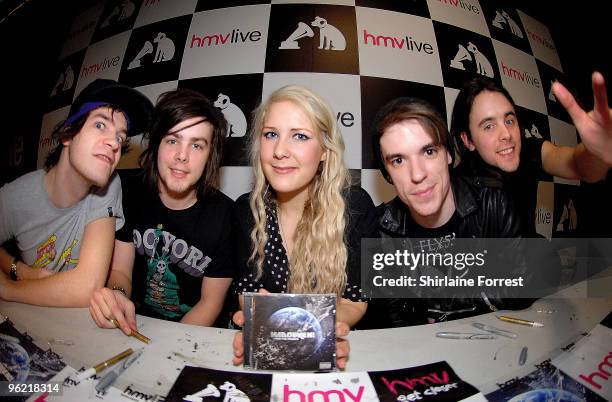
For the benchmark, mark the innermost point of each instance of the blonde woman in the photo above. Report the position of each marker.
(299, 230)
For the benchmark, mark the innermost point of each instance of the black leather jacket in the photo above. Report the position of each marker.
(484, 211)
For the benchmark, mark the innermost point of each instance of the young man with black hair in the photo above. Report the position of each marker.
(173, 254)
(414, 151)
(63, 218)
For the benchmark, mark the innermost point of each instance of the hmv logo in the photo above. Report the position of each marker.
(164, 51)
(407, 43)
(569, 217)
(134, 395)
(601, 375)
(64, 81)
(519, 75)
(122, 11)
(463, 4)
(101, 66)
(330, 37)
(332, 395)
(237, 122)
(540, 39)
(235, 37)
(543, 216)
(232, 393)
(472, 54)
(503, 21)
(533, 132)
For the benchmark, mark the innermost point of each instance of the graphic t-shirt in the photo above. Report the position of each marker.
(49, 237)
(175, 249)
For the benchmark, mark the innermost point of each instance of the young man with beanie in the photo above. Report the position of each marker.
(172, 257)
(63, 218)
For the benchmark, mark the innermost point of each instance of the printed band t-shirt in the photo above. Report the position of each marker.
(49, 237)
(175, 249)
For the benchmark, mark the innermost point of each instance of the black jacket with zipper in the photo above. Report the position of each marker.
(484, 210)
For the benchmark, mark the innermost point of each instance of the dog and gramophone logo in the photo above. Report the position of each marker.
(505, 25)
(64, 84)
(118, 16)
(548, 76)
(236, 96)
(464, 55)
(154, 52)
(313, 38)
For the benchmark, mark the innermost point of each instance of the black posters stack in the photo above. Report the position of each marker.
(290, 331)
(430, 383)
(196, 384)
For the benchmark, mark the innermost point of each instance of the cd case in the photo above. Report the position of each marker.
(290, 331)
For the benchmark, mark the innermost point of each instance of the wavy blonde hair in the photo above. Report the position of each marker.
(318, 261)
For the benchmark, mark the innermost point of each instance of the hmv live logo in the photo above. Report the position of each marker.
(505, 26)
(464, 54)
(236, 96)
(154, 52)
(309, 38)
(118, 16)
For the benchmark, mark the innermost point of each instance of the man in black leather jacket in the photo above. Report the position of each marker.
(414, 151)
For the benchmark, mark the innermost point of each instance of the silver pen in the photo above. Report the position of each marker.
(462, 335)
(110, 377)
(496, 331)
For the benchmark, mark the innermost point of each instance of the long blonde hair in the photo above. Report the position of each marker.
(318, 260)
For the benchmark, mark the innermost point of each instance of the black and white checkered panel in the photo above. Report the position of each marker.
(356, 54)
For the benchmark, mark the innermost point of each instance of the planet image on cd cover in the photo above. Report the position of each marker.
(15, 359)
(295, 324)
(294, 333)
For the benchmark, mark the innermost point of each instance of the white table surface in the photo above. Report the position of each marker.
(480, 362)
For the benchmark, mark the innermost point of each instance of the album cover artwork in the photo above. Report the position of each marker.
(197, 384)
(22, 360)
(547, 383)
(290, 331)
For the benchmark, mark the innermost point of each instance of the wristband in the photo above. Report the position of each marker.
(119, 288)
(13, 270)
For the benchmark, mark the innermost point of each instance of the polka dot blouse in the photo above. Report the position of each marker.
(275, 266)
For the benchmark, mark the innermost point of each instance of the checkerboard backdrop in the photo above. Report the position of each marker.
(356, 54)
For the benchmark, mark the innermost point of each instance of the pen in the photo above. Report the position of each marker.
(459, 335)
(520, 321)
(135, 334)
(110, 377)
(99, 367)
(496, 331)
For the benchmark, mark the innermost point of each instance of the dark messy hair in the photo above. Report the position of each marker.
(460, 120)
(172, 108)
(63, 131)
(402, 109)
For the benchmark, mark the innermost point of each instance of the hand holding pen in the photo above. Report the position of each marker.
(107, 305)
